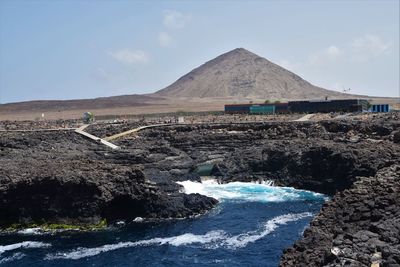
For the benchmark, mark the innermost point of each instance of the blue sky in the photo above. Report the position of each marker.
(85, 49)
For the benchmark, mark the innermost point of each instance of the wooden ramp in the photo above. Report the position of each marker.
(306, 117)
(115, 136)
(81, 131)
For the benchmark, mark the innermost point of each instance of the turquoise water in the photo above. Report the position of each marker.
(250, 227)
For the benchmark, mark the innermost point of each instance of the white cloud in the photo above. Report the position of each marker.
(343, 68)
(369, 46)
(164, 39)
(130, 56)
(330, 54)
(175, 20)
(333, 51)
(172, 21)
(360, 49)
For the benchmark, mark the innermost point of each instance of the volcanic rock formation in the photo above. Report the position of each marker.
(358, 226)
(61, 177)
(240, 73)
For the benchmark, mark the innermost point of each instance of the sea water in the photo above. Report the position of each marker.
(250, 226)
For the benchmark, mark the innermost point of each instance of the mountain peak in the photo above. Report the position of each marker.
(241, 73)
(239, 53)
(240, 50)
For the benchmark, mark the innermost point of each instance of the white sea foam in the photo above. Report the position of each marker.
(180, 240)
(264, 192)
(187, 239)
(31, 231)
(211, 240)
(25, 244)
(244, 239)
(15, 256)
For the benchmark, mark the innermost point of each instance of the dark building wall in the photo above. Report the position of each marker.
(245, 108)
(238, 108)
(346, 105)
(341, 105)
(281, 108)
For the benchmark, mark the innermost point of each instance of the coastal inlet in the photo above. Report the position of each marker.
(250, 227)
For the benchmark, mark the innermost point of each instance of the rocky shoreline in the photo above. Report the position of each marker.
(357, 227)
(60, 177)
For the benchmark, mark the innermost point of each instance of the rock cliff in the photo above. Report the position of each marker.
(61, 177)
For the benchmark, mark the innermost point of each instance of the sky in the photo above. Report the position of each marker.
(85, 49)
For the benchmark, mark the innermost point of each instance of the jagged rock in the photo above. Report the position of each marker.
(358, 241)
(396, 136)
(61, 177)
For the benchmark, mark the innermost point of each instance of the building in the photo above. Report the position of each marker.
(306, 106)
(324, 106)
(380, 108)
(238, 108)
(257, 108)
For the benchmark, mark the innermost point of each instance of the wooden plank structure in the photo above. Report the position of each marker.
(136, 130)
(81, 131)
(305, 117)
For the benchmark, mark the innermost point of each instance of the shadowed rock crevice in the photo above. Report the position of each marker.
(124, 208)
(49, 199)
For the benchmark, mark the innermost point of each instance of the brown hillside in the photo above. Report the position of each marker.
(240, 73)
(95, 103)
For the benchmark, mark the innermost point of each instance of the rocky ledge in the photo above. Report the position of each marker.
(62, 177)
(357, 227)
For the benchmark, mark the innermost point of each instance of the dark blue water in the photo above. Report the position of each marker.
(250, 227)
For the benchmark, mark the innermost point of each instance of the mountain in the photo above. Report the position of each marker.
(241, 73)
(236, 76)
(95, 103)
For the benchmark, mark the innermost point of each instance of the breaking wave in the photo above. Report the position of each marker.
(31, 231)
(25, 244)
(211, 237)
(211, 240)
(22, 245)
(15, 256)
(253, 192)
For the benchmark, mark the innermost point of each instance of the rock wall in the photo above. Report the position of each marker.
(59, 177)
(324, 157)
(358, 226)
